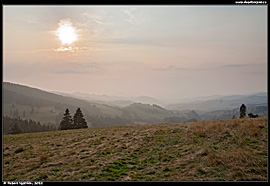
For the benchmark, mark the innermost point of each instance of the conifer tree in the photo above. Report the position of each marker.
(78, 120)
(243, 110)
(66, 122)
(15, 129)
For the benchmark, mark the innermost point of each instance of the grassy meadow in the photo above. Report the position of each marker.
(226, 150)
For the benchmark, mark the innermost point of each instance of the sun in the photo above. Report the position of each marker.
(66, 33)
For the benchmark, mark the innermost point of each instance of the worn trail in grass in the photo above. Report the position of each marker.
(216, 150)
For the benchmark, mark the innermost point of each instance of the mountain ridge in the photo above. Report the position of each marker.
(113, 100)
(224, 102)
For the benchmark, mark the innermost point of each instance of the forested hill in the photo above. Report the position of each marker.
(23, 95)
(41, 106)
(44, 107)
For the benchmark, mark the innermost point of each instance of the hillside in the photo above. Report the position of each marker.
(228, 150)
(48, 108)
(149, 113)
(24, 95)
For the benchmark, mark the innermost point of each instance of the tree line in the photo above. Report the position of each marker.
(17, 125)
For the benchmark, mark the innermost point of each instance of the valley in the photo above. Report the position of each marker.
(48, 108)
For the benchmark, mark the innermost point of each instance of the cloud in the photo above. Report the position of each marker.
(62, 49)
(134, 41)
(77, 68)
(75, 49)
(175, 68)
(134, 17)
(32, 20)
(73, 72)
(100, 17)
(240, 65)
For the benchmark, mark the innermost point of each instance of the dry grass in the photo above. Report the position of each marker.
(217, 150)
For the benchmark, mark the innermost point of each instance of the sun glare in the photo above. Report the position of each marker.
(66, 33)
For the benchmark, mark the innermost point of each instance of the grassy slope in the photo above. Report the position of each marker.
(216, 150)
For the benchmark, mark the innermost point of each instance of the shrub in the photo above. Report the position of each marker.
(18, 150)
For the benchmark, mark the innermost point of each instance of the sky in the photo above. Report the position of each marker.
(166, 52)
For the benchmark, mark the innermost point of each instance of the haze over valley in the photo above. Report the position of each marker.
(48, 108)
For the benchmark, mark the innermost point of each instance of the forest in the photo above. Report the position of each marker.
(25, 126)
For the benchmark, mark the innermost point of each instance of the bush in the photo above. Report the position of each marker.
(18, 150)
(251, 115)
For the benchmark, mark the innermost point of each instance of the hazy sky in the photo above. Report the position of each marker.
(159, 51)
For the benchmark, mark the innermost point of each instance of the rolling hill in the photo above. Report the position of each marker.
(48, 108)
(149, 113)
(220, 102)
(226, 150)
(121, 101)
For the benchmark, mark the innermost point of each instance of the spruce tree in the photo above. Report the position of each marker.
(243, 110)
(66, 122)
(78, 120)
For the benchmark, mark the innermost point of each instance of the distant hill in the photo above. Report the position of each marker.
(149, 113)
(48, 108)
(147, 100)
(221, 103)
(120, 101)
(193, 114)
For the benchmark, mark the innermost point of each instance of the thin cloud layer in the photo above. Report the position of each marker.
(158, 51)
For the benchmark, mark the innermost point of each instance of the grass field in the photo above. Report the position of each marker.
(228, 150)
